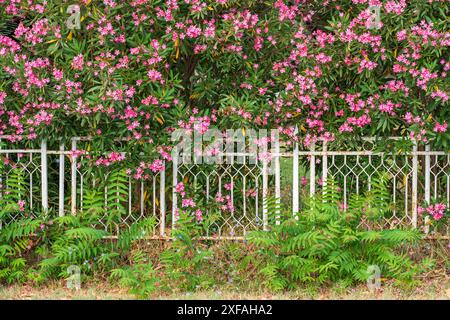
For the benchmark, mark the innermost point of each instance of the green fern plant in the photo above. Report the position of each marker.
(17, 232)
(185, 259)
(39, 247)
(140, 276)
(117, 193)
(94, 201)
(13, 192)
(18, 239)
(116, 196)
(181, 265)
(73, 240)
(322, 244)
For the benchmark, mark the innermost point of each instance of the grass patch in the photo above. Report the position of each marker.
(436, 289)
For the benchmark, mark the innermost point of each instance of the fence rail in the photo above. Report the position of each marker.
(233, 192)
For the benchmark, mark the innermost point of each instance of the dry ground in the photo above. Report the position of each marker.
(431, 289)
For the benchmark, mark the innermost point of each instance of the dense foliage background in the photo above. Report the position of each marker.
(138, 69)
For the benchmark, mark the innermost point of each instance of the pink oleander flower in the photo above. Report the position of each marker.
(440, 94)
(199, 48)
(437, 211)
(251, 193)
(401, 35)
(78, 62)
(113, 157)
(58, 74)
(219, 198)
(198, 215)
(193, 31)
(3, 95)
(154, 75)
(185, 203)
(440, 127)
(396, 7)
(21, 204)
(179, 188)
(304, 181)
(345, 128)
(368, 65)
(157, 165)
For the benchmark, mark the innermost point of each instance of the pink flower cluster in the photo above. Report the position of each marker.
(437, 211)
(188, 202)
(226, 203)
(78, 62)
(113, 157)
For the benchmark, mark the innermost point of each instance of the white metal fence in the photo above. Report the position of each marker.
(233, 193)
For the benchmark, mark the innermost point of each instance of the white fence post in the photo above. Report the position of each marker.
(265, 187)
(414, 186)
(324, 165)
(130, 204)
(277, 181)
(61, 180)
(427, 190)
(73, 197)
(295, 184)
(312, 171)
(174, 193)
(162, 201)
(44, 177)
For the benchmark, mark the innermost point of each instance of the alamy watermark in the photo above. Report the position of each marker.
(74, 20)
(74, 280)
(374, 21)
(374, 279)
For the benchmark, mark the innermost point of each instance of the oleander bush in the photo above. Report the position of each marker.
(139, 69)
(131, 72)
(180, 267)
